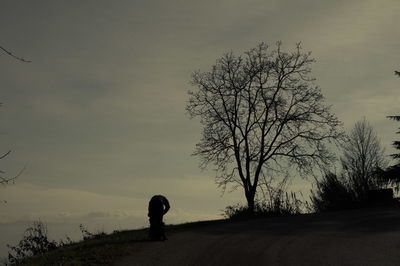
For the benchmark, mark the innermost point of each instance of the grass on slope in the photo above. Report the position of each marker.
(102, 249)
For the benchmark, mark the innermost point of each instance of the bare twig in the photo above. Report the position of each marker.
(6, 180)
(5, 154)
(14, 56)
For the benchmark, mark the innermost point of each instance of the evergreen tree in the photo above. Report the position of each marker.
(392, 174)
(396, 143)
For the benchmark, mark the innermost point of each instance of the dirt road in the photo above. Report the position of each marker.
(361, 237)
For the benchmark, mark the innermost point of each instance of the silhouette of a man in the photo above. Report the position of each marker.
(158, 206)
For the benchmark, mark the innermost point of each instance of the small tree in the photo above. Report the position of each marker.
(261, 114)
(363, 157)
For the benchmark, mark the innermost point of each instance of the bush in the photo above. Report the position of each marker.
(89, 235)
(282, 204)
(34, 242)
(333, 193)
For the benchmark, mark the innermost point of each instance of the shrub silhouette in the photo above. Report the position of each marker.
(281, 204)
(33, 243)
(89, 235)
(333, 194)
(36, 242)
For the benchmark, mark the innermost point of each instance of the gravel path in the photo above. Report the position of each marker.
(361, 237)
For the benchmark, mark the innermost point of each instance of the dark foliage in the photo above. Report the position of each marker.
(33, 243)
(88, 235)
(333, 193)
(396, 144)
(100, 250)
(392, 173)
(284, 204)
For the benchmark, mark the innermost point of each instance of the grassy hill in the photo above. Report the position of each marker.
(103, 249)
(356, 237)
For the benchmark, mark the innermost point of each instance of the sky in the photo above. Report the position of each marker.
(98, 117)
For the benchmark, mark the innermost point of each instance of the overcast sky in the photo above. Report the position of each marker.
(98, 116)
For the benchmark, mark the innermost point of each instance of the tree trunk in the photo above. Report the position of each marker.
(250, 201)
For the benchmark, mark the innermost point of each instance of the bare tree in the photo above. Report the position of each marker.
(262, 114)
(362, 157)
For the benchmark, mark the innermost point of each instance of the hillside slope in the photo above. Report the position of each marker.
(359, 237)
